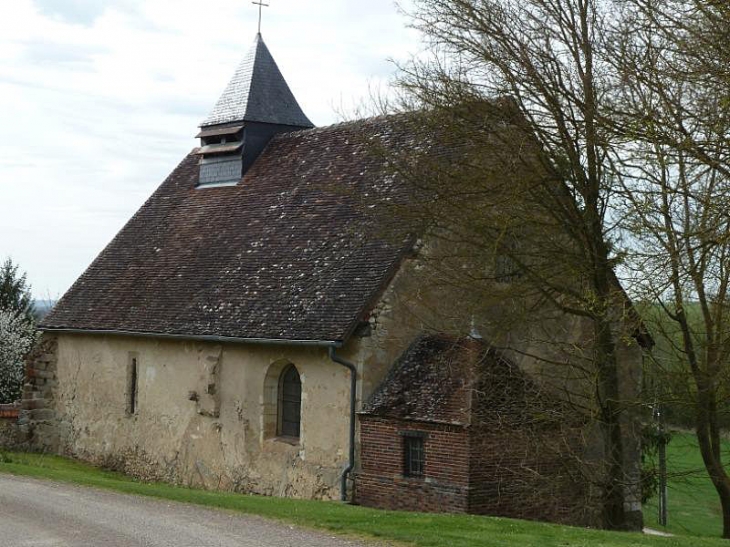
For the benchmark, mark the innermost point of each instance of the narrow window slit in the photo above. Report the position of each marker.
(132, 384)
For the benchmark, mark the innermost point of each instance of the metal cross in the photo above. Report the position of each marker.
(260, 4)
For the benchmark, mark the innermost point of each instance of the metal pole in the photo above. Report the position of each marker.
(662, 476)
(662, 454)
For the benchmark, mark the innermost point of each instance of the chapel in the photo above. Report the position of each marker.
(251, 329)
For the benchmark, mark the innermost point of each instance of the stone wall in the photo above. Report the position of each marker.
(38, 426)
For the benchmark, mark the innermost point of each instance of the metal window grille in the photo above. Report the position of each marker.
(415, 456)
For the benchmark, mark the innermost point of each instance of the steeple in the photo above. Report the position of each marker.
(258, 93)
(256, 105)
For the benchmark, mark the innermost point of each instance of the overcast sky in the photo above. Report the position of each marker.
(99, 101)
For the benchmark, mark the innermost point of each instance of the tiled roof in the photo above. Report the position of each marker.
(258, 93)
(430, 382)
(283, 255)
(462, 381)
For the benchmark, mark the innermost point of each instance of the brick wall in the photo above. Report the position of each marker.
(8, 418)
(492, 471)
(9, 412)
(525, 473)
(381, 483)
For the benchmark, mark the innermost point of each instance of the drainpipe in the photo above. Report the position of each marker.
(353, 394)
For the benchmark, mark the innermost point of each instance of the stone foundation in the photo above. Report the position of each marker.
(38, 427)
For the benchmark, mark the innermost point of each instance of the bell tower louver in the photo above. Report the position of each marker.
(256, 105)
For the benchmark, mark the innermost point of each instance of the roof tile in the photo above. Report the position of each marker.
(285, 254)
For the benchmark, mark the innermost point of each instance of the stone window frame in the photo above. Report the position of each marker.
(271, 404)
(410, 440)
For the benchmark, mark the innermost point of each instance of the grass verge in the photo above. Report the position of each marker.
(427, 530)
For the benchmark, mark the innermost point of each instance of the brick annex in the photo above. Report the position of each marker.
(457, 428)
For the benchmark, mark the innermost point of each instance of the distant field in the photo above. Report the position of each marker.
(42, 307)
(694, 508)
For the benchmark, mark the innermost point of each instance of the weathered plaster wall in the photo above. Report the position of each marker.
(216, 441)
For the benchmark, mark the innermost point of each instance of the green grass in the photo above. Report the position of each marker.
(693, 505)
(420, 529)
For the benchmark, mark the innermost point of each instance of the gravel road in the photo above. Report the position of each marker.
(36, 513)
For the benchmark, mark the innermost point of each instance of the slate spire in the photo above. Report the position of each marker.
(256, 105)
(258, 93)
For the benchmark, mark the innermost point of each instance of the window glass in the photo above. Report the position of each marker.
(290, 402)
(132, 383)
(415, 456)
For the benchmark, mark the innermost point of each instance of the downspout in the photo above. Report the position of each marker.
(353, 398)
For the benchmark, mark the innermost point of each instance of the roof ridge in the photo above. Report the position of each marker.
(344, 124)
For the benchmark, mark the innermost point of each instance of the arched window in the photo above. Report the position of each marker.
(290, 402)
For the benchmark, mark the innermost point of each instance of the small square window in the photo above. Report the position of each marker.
(414, 456)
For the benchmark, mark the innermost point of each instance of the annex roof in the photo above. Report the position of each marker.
(286, 254)
(258, 93)
(430, 381)
(460, 381)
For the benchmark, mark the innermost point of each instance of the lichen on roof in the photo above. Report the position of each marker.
(286, 254)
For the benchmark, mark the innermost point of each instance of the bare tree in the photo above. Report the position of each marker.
(523, 178)
(675, 122)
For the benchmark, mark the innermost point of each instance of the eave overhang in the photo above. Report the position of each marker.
(197, 337)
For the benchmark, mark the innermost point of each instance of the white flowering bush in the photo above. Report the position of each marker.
(17, 336)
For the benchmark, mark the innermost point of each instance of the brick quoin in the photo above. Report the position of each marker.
(9, 412)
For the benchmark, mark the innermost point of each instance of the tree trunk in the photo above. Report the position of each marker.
(614, 517)
(720, 481)
(711, 457)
